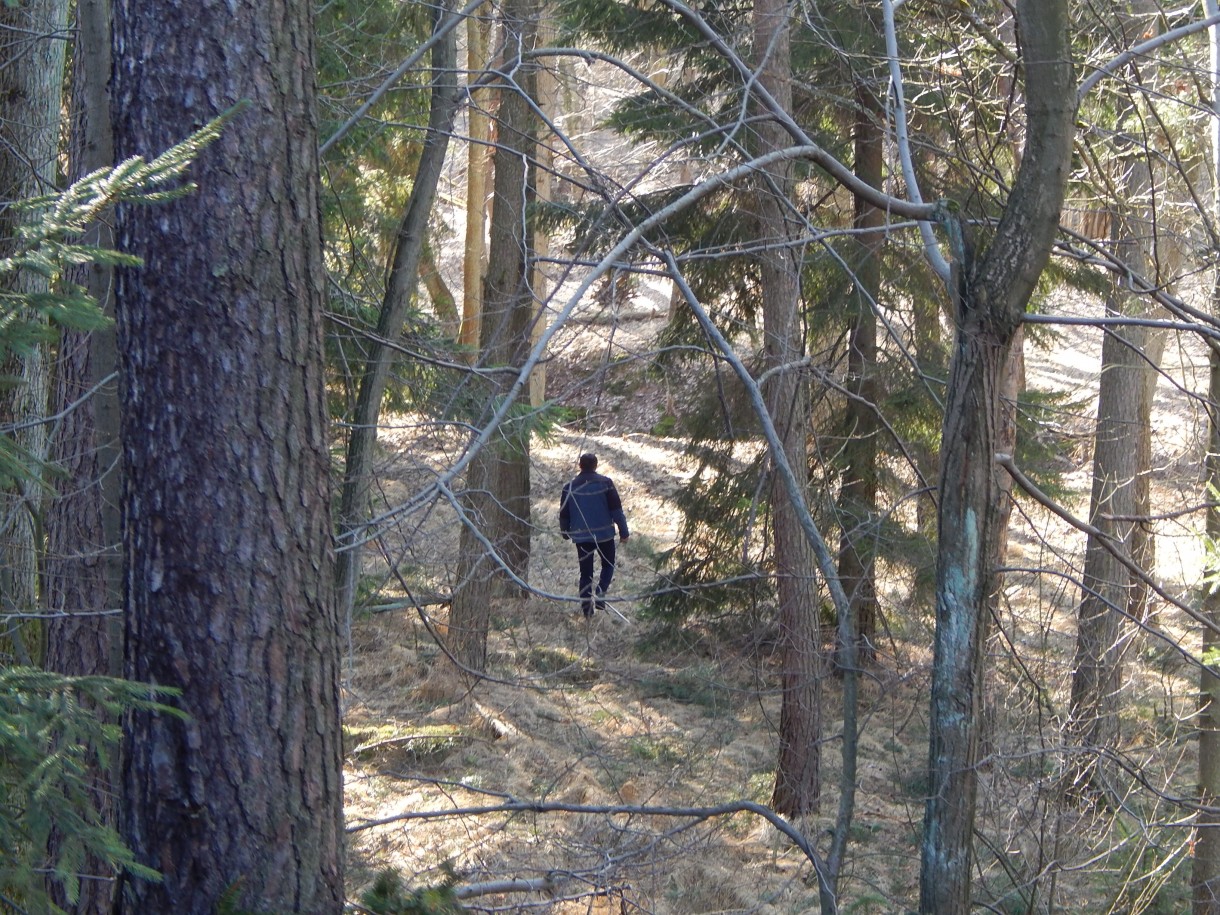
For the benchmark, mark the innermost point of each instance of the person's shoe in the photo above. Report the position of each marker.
(601, 600)
(588, 611)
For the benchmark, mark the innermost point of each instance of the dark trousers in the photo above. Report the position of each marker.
(585, 553)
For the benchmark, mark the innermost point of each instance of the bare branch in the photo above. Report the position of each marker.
(1108, 542)
(1140, 50)
(405, 67)
(698, 814)
(903, 141)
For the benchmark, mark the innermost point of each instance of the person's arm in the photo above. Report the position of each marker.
(565, 512)
(615, 504)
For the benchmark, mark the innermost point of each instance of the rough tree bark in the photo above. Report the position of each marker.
(498, 477)
(798, 783)
(990, 297)
(32, 46)
(229, 560)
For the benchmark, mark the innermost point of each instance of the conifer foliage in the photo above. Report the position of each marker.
(57, 731)
(49, 241)
(50, 726)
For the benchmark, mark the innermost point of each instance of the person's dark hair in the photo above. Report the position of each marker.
(588, 461)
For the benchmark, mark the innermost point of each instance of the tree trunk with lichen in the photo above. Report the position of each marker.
(990, 295)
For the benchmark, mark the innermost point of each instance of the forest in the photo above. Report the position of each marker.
(896, 325)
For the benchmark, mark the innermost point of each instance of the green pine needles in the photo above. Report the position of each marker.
(47, 241)
(390, 896)
(55, 733)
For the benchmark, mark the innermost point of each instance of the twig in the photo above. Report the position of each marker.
(1108, 542)
(617, 612)
(695, 813)
(453, 21)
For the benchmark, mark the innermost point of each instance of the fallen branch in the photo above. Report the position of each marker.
(492, 887)
(410, 738)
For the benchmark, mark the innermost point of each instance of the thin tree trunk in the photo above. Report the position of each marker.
(478, 162)
(990, 297)
(969, 525)
(400, 287)
(1205, 873)
(228, 540)
(83, 569)
(798, 781)
(32, 45)
(858, 491)
(497, 502)
(1012, 385)
(84, 564)
(1121, 452)
(547, 91)
(931, 353)
(1012, 378)
(443, 301)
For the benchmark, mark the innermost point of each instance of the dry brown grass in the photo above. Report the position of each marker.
(608, 715)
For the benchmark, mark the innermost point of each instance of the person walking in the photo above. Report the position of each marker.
(589, 511)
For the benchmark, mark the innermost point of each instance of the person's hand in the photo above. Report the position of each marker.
(564, 535)
(624, 538)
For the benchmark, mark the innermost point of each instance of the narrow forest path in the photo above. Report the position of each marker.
(617, 713)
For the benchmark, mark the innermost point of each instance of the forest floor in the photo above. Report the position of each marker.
(575, 764)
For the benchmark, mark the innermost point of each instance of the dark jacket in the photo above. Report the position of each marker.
(590, 508)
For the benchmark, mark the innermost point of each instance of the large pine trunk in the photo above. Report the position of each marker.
(228, 545)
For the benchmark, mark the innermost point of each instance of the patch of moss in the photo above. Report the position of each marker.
(563, 664)
(698, 685)
(398, 745)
